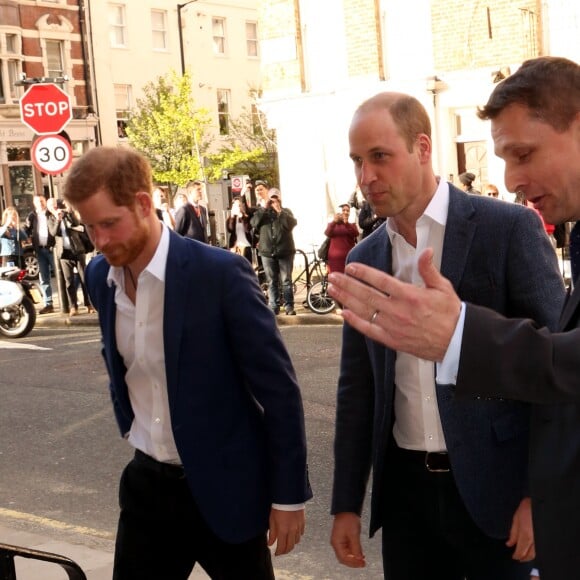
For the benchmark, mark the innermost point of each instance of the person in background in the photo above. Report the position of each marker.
(238, 226)
(261, 190)
(466, 183)
(179, 200)
(368, 220)
(11, 238)
(43, 242)
(276, 247)
(191, 219)
(64, 226)
(490, 190)
(343, 236)
(202, 386)
(162, 207)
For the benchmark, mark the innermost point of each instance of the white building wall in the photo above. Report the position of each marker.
(138, 63)
(316, 172)
(562, 30)
(234, 71)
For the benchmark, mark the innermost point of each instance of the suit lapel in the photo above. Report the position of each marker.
(459, 234)
(109, 332)
(570, 306)
(175, 307)
(379, 256)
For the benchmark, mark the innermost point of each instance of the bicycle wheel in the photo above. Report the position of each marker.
(318, 298)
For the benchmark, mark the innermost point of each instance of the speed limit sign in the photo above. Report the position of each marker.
(52, 154)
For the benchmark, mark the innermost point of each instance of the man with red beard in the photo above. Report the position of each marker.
(216, 422)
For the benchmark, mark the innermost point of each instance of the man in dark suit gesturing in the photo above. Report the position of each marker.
(213, 411)
(449, 478)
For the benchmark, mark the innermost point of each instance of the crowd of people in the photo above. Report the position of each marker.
(458, 388)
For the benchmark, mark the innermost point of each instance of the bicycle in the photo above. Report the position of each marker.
(314, 276)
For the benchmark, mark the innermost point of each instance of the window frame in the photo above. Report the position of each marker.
(161, 31)
(224, 115)
(125, 92)
(121, 26)
(53, 72)
(219, 41)
(10, 67)
(252, 41)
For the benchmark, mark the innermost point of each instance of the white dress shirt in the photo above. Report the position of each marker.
(139, 333)
(42, 227)
(417, 422)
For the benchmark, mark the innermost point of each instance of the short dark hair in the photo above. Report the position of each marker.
(409, 115)
(120, 171)
(262, 182)
(549, 86)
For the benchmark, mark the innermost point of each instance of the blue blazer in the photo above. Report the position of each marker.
(495, 254)
(235, 405)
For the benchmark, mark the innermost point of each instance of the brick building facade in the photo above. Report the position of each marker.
(40, 41)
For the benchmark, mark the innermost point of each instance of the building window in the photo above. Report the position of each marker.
(223, 98)
(159, 29)
(252, 38)
(219, 35)
(54, 59)
(12, 44)
(10, 67)
(123, 100)
(117, 25)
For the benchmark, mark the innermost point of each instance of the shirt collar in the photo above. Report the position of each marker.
(156, 266)
(435, 211)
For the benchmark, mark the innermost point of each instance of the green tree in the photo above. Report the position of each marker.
(169, 130)
(249, 148)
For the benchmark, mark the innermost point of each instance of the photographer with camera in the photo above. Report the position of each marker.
(276, 248)
(238, 226)
(71, 244)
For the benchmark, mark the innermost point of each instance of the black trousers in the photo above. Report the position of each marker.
(162, 535)
(428, 532)
(68, 265)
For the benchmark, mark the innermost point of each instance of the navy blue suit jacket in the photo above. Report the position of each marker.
(495, 254)
(235, 405)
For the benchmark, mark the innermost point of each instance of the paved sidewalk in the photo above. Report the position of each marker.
(96, 562)
(58, 319)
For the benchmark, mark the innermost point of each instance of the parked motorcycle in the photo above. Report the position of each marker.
(17, 299)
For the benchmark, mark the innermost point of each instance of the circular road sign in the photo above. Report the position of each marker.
(51, 154)
(45, 108)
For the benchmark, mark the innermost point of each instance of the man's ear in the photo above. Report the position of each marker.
(143, 203)
(424, 147)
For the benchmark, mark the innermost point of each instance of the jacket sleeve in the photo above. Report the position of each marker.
(287, 219)
(256, 219)
(329, 231)
(181, 221)
(54, 226)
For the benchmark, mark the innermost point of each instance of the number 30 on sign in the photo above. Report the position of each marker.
(52, 154)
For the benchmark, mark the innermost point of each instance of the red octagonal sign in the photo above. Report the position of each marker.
(45, 108)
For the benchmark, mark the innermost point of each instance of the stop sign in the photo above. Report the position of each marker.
(45, 108)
